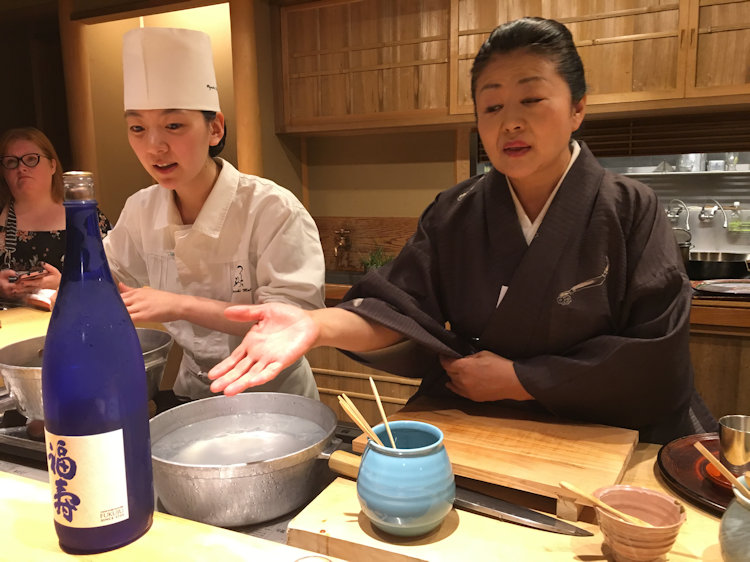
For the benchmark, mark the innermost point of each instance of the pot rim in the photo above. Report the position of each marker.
(415, 425)
(718, 257)
(245, 469)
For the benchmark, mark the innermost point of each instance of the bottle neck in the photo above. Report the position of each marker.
(84, 251)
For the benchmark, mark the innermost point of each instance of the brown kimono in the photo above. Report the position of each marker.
(596, 314)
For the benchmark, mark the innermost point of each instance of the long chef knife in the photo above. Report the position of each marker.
(483, 504)
(469, 500)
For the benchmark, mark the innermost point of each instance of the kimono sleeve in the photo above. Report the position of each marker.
(404, 296)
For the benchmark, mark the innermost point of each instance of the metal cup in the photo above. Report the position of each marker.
(734, 437)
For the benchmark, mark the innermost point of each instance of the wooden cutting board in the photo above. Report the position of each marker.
(334, 525)
(525, 452)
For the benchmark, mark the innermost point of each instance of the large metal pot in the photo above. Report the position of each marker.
(21, 369)
(240, 460)
(718, 265)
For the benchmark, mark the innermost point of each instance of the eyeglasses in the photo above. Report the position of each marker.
(30, 160)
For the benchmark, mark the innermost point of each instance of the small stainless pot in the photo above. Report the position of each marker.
(21, 369)
(240, 460)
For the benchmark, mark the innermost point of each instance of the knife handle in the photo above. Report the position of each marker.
(346, 464)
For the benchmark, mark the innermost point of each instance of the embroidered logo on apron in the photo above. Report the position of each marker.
(566, 297)
(238, 285)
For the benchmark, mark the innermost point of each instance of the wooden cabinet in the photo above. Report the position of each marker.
(631, 49)
(365, 60)
(350, 64)
(719, 41)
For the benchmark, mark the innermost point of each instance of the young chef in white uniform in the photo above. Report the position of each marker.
(205, 236)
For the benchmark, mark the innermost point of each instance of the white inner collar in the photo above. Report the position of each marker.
(529, 229)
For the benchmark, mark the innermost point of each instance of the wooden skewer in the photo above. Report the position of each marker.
(360, 418)
(356, 419)
(382, 412)
(354, 414)
(723, 469)
(348, 406)
(613, 510)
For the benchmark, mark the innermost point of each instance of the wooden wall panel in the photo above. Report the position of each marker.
(335, 373)
(644, 76)
(366, 233)
(722, 372)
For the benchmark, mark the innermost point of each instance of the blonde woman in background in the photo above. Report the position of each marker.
(32, 217)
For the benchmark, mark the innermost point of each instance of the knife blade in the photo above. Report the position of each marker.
(347, 464)
(483, 504)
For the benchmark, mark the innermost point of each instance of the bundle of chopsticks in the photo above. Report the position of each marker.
(353, 412)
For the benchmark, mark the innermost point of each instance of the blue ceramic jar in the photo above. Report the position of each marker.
(409, 490)
(734, 530)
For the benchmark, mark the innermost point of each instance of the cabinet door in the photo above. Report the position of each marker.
(348, 61)
(632, 50)
(719, 59)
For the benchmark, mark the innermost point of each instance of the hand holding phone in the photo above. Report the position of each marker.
(24, 275)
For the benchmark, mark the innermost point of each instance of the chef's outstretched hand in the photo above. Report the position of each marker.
(281, 334)
(484, 377)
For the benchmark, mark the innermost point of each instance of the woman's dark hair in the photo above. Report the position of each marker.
(539, 36)
(216, 149)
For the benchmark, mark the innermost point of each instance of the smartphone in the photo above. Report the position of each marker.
(31, 274)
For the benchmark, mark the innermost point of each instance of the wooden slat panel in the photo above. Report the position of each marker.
(366, 233)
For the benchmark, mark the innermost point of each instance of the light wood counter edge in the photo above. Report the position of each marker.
(26, 512)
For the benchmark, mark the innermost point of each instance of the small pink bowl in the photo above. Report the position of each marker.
(628, 541)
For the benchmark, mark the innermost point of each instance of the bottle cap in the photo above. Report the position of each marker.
(79, 186)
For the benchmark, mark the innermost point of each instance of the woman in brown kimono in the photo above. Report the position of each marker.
(560, 282)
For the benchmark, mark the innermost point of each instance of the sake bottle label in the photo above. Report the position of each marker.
(87, 478)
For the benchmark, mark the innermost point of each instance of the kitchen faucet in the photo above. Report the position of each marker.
(710, 213)
(673, 213)
(341, 245)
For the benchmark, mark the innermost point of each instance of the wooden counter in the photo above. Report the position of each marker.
(720, 317)
(334, 525)
(22, 323)
(29, 534)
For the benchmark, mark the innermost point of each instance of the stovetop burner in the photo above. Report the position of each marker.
(15, 439)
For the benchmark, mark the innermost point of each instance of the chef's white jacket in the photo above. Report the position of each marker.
(253, 242)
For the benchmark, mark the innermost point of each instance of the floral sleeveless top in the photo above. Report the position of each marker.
(21, 250)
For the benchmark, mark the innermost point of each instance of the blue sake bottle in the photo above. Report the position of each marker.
(94, 394)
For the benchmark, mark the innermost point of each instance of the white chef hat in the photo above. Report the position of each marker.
(168, 68)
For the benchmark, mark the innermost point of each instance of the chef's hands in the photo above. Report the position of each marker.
(281, 334)
(484, 377)
(145, 304)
